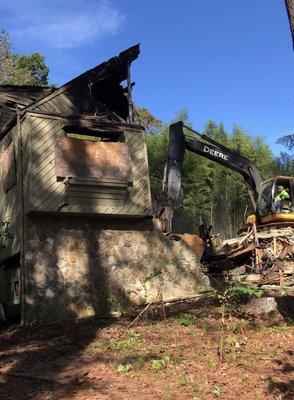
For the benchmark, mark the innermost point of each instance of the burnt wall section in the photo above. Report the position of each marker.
(78, 267)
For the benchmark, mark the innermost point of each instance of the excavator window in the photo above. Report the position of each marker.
(283, 196)
(265, 199)
(276, 196)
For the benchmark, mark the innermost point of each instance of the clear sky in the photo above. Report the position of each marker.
(230, 61)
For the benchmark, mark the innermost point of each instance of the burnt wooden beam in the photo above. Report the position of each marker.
(129, 88)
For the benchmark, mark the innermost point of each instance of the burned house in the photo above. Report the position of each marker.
(75, 198)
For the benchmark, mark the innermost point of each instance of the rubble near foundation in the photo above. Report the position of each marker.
(264, 258)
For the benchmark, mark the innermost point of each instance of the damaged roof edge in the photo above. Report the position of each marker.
(125, 57)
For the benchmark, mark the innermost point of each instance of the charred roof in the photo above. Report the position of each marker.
(22, 96)
(94, 91)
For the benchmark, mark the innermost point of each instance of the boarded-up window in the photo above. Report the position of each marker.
(8, 167)
(101, 160)
(98, 173)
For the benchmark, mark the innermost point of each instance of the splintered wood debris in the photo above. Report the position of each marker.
(261, 258)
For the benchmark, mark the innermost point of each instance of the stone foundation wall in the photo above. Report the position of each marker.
(80, 266)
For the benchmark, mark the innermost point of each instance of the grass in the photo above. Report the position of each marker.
(123, 368)
(97, 345)
(212, 362)
(160, 363)
(217, 392)
(181, 381)
(127, 345)
(186, 319)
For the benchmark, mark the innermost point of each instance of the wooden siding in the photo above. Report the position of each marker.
(26, 164)
(57, 103)
(5, 114)
(49, 193)
(9, 208)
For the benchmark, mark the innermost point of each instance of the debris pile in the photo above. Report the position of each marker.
(264, 257)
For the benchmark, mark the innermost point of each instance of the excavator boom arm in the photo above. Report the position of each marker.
(171, 193)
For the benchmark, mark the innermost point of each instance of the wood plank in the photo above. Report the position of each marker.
(44, 126)
(96, 195)
(61, 106)
(44, 134)
(43, 107)
(71, 108)
(92, 201)
(50, 141)
(48, 195)
(26, 165)
(35, 128)
(39, 158)
(40, 167)
(101, 160)
(47, 173)
(42, 185)
(56, 203)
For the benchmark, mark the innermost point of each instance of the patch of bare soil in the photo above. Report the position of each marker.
(176, 359)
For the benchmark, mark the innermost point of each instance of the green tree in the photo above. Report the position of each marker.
(7, 59)
(15, 69)
(285, 161)
(287, 141)
(35, 66)
(144, 117)
(212, 192)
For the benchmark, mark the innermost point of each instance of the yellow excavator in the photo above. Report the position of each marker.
(264, 249)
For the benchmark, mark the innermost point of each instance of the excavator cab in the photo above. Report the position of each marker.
(276, 200)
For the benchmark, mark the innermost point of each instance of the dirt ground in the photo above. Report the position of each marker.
(176, 359)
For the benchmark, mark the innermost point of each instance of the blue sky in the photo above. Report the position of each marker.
(230, 61)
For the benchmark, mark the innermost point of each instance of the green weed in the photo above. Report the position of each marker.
(97, 345)
(127, 345)
(186, 319)
(140, 362)
(123, 368)
(217, 392)
(160, 363)
(212, 362)
(232, 341)
(181, 381)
